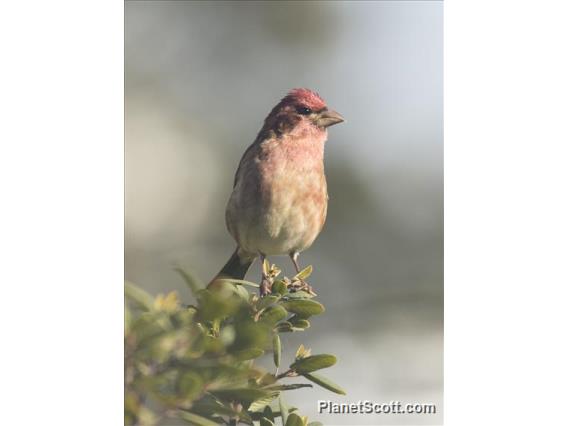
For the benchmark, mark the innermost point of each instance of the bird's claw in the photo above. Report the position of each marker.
(301, 285)
(265, 287)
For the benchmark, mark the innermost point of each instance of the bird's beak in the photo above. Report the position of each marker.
(329, 118)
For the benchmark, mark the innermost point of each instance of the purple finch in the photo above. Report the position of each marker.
(279, 200)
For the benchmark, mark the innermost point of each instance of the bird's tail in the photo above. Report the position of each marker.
(236, 267)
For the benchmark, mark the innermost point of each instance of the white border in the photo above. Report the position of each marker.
(506, 209)
(62, 206)
(61, 220)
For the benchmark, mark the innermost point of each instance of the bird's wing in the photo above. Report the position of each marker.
(263, 136)
(244, 158)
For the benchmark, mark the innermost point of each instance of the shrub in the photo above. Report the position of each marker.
(197, 362)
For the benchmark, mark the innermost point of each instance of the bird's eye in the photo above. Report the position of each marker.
(304, 110)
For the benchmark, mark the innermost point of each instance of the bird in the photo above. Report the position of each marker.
(278, 205)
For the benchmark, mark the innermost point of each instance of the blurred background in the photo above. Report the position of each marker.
(200, 79)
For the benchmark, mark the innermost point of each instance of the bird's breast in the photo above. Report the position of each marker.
(293, 209)
(284, 201)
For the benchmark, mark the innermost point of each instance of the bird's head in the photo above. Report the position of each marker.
(301, 108)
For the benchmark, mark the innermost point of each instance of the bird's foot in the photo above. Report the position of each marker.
(301, 285)
(310, 290)
(265, 287)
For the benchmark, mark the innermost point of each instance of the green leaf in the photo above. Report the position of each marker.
(209, 405)
(299, 322)
(250, 334)
(267, 301)
(300, 294)
(190, 384)
(304, 273)
(277, 348)
(213, 305)
(294, 420)
(303, 307)
(261, 403)
(292, 386)
(266, 380)
(257, 416)
(313, 363)
(146, 327)
(190, 280)
(324, 382)
(242, 292)
(194, 419)
(279, 287)
(268, 415)
(247, 354)
(235, 281)
(273, 314)
(266, 422)
(246, 396)
(141, 298)
(284, 327)
(283, 409)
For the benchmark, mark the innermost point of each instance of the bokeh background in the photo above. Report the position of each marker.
(201, 77)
